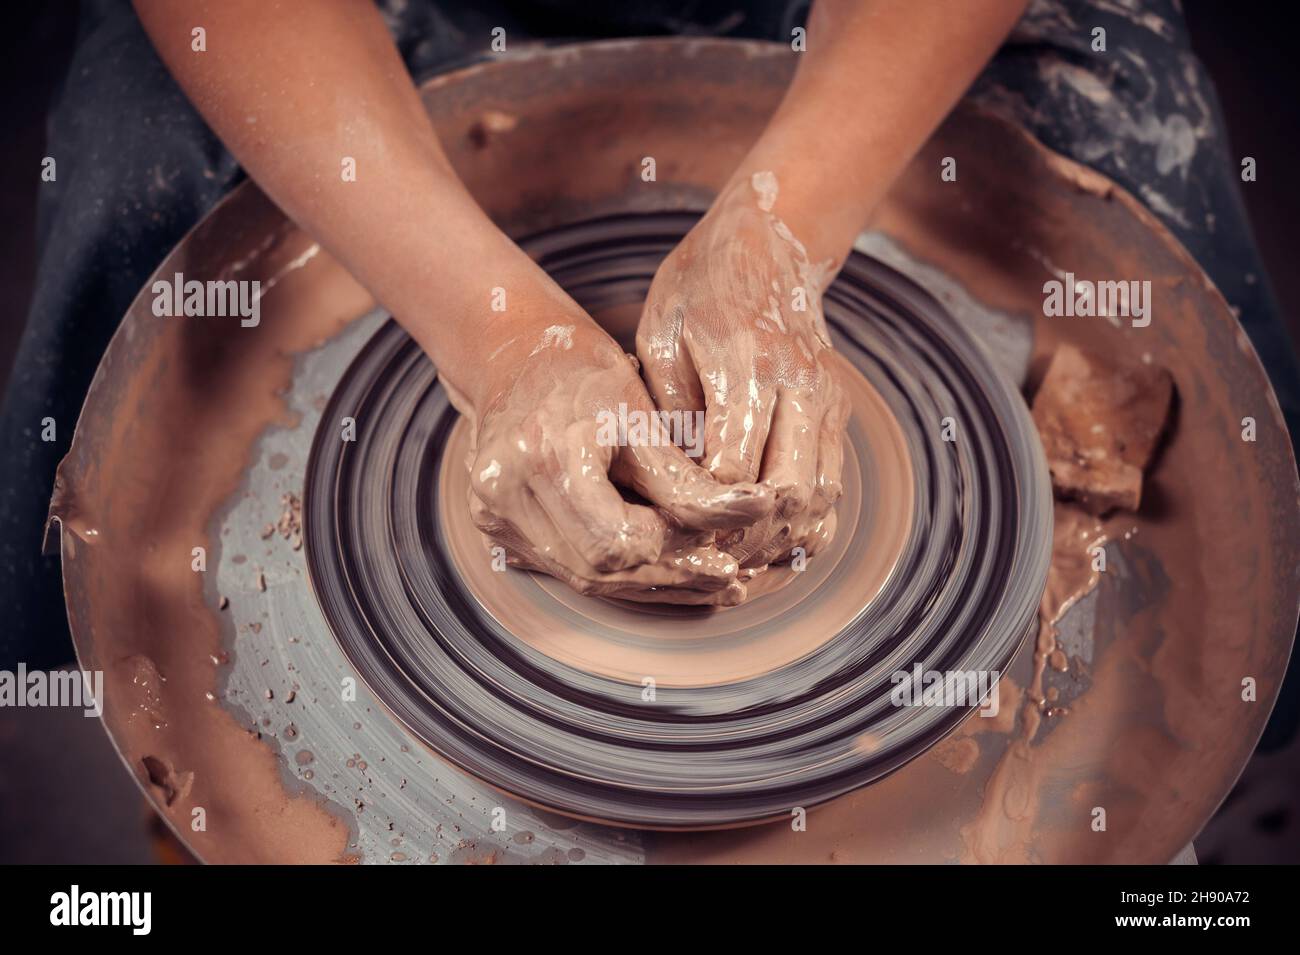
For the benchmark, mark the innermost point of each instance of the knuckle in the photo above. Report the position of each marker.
(734, 467)
(585, 586)
(605, 556)
(614, 550)
(793, 497)
(830, 488)
(479, 511)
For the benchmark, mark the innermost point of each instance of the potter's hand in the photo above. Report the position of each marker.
(733, 326)
(547, 443)
(292, 96)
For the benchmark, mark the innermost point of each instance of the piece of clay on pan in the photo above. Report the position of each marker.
(1100, 418)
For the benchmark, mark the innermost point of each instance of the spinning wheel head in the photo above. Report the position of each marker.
(672, 717)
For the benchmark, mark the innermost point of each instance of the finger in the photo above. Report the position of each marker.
(761, 544)
(559, 558)
(498, 532)
(690, 568)
(830, 451)
(812, 527)
(666, 363)
(790, 457)
(665, 476)
(575, 492)
(730, 596)
(737, 418)
(747, 543)
(699, 569)
(819, 533)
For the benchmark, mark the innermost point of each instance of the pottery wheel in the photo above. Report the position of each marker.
(672, 717)
(230, 690)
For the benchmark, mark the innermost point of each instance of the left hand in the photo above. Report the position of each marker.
(733, 327)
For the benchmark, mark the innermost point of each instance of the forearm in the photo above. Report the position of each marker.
(877, 78)
(296, 91)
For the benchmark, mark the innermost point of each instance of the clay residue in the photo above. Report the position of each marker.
(1150, 723)
(490, 125)
(1004, 827)
(290, 523)
(957, 754)
(207, 389)
(1100, 420)
(1081, 177)
(172, 784)
(765, 186)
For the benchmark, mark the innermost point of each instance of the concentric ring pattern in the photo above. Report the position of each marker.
(962, 596)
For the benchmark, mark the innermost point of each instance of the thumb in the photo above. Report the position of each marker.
(663, 474)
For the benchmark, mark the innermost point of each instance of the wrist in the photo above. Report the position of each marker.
(826, 220)
(501, 312)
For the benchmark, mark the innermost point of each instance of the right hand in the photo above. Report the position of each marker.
(720, 334)
(540, 476)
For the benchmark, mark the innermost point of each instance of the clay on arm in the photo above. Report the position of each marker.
(733, 323)
(293, 90)
(298, 90)
(878, 76)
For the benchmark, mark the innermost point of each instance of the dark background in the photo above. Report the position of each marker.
(63, 795)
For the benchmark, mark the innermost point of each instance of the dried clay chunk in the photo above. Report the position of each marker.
(1100, 420)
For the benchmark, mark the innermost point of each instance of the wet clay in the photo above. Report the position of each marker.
(684, 648)
(733, 342)
(162, 677)
(1100, 418)
(541, 465)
